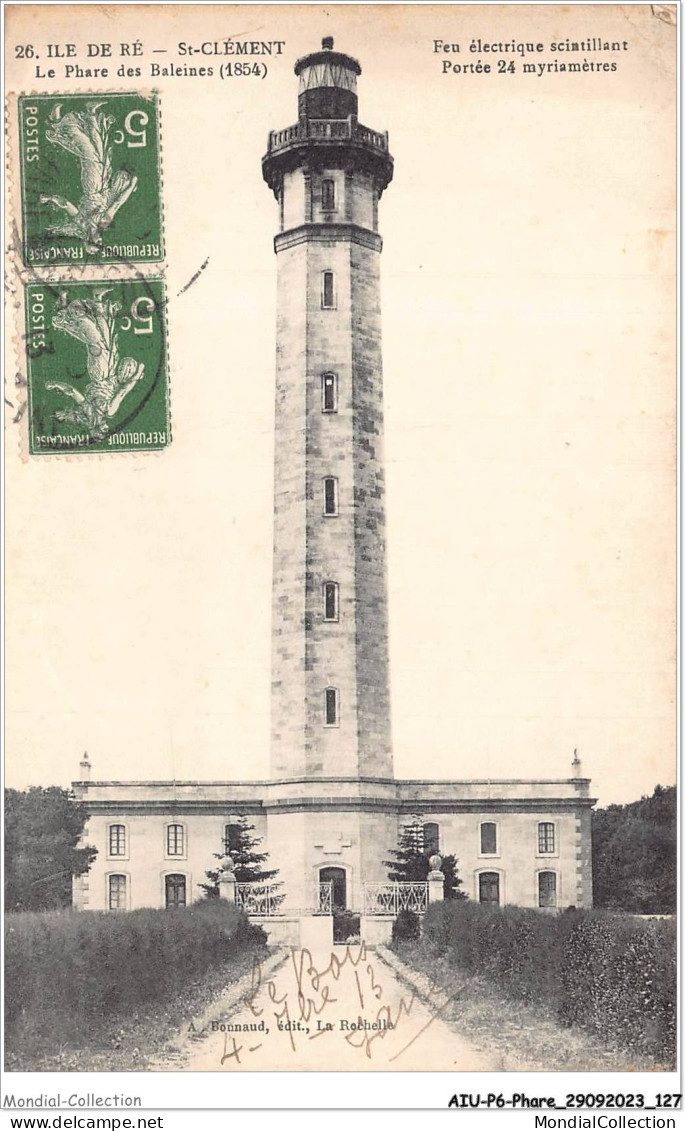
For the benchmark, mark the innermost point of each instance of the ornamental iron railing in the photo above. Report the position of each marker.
(326, 898)
(328, 129)
(259, 899)
(390, 899)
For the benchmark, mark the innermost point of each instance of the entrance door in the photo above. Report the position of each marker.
(175, 891)
(337, 877)
(488, 887)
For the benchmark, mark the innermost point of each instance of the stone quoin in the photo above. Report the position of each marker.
(332, 808)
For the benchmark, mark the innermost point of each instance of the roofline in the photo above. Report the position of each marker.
(171, 782)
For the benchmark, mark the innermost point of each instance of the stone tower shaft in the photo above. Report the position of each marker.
(330, 688)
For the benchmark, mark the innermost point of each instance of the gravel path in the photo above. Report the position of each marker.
(350, 1009)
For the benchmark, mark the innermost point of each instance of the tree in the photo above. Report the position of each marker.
(42, 830)
(411, 861)
(634, 854)
(247, 862)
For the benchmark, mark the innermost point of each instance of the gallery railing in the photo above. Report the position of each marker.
(389, 899)
(259, 899)
(328, 129)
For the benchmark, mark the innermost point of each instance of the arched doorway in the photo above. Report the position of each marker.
(338, 878)
(488, 887)
(175, 891)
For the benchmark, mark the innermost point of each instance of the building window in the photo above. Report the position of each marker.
(117, 840)
(117, 893)
(327, 291)
(329, 392)
(546, 837)
(547, 889)
(175, 840)
(328, 195)
(488, 887)
(330, 496)
(331, 707)
(231, 838)
(330, 600)
(175, 891)
(488, 838)
(431, 838)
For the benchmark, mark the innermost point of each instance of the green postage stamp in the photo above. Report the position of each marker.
(96, 366)
(90, 178)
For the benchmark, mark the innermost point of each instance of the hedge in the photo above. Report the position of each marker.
(65, 969)
(613, 974)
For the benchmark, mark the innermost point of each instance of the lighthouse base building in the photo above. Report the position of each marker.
(333, 810)
(516, 842)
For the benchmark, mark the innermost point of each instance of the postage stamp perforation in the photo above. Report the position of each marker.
(61, 276)
(96, 364)
(90, 177)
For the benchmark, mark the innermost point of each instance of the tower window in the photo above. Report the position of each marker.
(547, 889)
(331, 707)
(116, 896)
(330, 600)
(117, 840)
(431, 838)
(329, 392)
(327, 290)
(328, 195)
(488, 838)
(330, 496)
(546, 837)
(175, 841)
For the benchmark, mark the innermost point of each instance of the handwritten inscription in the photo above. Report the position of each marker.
(345, 997)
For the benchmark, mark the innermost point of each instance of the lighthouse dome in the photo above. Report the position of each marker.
(328, 83)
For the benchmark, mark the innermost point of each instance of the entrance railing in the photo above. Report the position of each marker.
(389, 899)
(259, 899)
(326, 898)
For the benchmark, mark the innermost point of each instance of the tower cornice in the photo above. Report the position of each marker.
(324, 143)
(327, 233)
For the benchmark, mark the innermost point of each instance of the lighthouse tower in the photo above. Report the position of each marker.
(330, 695)
(333, 811)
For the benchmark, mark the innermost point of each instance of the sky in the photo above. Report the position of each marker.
(528, 312)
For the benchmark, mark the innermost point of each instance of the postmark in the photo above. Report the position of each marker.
(90, 178)
(97, 366)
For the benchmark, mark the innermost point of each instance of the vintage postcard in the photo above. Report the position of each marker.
(340, 459)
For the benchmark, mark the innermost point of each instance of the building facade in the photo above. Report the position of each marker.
(332, 810)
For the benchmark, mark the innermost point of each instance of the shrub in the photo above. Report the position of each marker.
(612, 974)
(406, 927)
(67, 969)
(346, 926)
